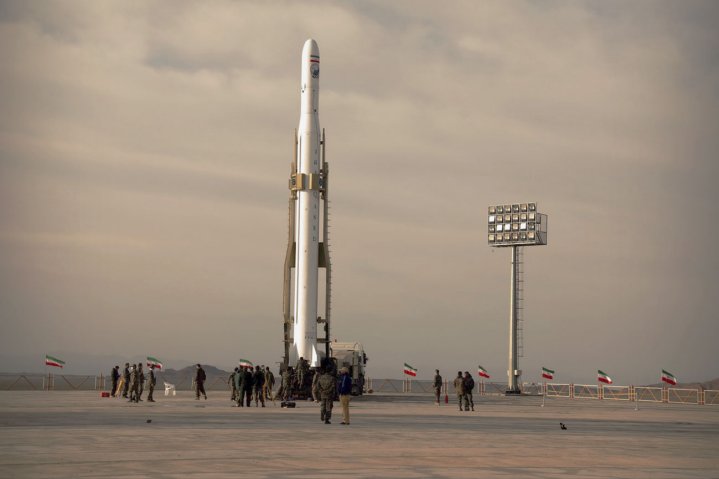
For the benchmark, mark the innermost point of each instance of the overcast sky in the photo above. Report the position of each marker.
(145, 150)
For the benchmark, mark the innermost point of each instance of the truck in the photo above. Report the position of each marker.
(351, 356)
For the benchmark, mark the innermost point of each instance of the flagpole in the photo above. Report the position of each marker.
(544, 392)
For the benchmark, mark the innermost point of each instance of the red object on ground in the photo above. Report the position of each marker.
(104, 394)
(446, 398)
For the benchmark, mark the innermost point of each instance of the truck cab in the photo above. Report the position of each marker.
(351, 356)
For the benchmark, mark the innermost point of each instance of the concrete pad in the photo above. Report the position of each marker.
(79, 435)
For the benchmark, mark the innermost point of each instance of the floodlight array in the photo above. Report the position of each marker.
(518, 224)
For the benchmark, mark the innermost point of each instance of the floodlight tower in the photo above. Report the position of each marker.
(514, 226)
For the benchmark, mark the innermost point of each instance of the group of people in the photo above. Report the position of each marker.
(131, 382)
(463, 387)
(248, 383)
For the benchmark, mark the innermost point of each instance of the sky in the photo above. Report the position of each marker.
(145, 149)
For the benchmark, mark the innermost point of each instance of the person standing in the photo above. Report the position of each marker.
(133, 384)
(247, 384)
(231, 382)
(240, 385)
(200, 378)
(468, 383)
(459, 388)
(140, 381)
(269, 385)
(151, 381)
(115, 374)
(437, 386)
(258, 385)
(345, 390)
(287, 384)
(327, 385)
(126, 376)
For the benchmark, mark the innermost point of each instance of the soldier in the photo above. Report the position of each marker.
(231, 382)
(247, 383)
(140, 381)
(315, 387)
(126, 375)
(269, 385)
(200, 378)
(301, 371)
(133, 384)
(468, 387)
(437, 386)
(115, 377)
(459, 388)
(240, 385)
(287, 384)
(258, 384)
(151, 381)
(327, 386)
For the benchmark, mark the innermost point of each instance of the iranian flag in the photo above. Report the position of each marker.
(156, 363)
(52, 361)
(244, 363)
(409, 370)
(603, 377)
(668, 377)
(547, 373)
(482, 372)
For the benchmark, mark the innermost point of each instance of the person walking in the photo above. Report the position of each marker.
(240, 386)
(345, 390)
(258, 384)
(468, 384)
(459, 388)
(287, 384)
(151, 381)
(126, 376)
(437, 386)
(115, 374)
(200, 378)
(327, 385)
(133, 384)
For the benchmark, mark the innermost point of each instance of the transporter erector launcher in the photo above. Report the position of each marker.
(307, 249)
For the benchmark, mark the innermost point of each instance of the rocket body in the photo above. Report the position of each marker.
(307, 212)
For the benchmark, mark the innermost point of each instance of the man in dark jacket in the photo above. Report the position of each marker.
(247, 384)
(468, 388)
(115, 378)
(345, 389)
(200, 378)
(140, 381)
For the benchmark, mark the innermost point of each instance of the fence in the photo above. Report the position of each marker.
(554, 390)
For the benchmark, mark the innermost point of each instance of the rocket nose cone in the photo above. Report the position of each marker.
(310, 48)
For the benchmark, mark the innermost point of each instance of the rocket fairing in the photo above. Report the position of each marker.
(307, 214)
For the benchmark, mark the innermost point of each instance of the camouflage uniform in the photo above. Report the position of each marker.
(327, 386)
(140, 382)
(287, 384)
(269, 385)
(126, 376)
(459, 389)
(468, 383)
(301, 372)
(133, 384)
(231, 382)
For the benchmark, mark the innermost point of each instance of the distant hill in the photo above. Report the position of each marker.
(713, 384)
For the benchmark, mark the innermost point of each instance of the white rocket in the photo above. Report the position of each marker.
(307, 212)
